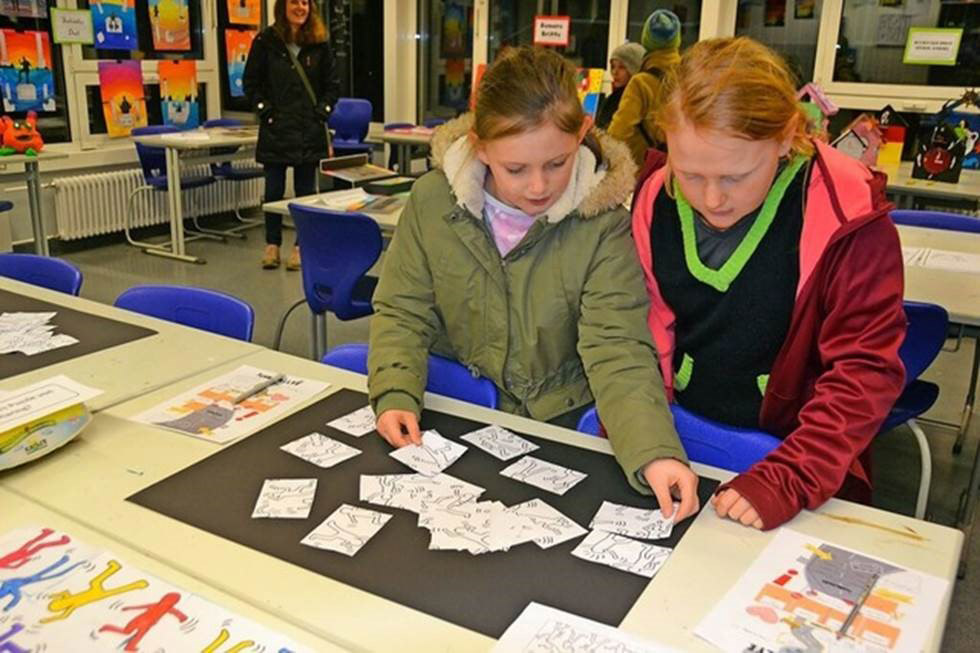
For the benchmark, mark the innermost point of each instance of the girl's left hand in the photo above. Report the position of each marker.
(731, 504)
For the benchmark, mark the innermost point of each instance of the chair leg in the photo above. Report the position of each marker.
(318, 340)
(246, 223)
(925, 475)
(971, 395)
(214, 234)
(127, 224)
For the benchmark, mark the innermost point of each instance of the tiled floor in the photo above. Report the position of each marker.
(233, 267)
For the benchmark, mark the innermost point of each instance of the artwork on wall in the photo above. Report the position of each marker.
(452, 90)
(244, 12)
(454, 31)
(123, 98)
(115, 24)
(804, 9)
(170, 24)
(178, 93)
(24, 8)
(25, 71)
(237, 44)
(775, 13)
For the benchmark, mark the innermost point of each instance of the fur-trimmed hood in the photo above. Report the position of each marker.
(595, 187)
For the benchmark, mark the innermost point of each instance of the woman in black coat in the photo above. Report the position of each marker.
(292, 128)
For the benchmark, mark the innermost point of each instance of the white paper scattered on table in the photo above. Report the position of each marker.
(285, 498)
(800, 590)
(941, 259)
(547, 525)
(416, 492)
(632, 522)
(499, 442)
(320, 450)
(42, 398)
(540, 473)
(435, 454)
(30, 334)
(346, 530)
(542, 629)
(622, 553)
(359, 423)
(208, 411)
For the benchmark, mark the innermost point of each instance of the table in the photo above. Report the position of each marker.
(134, 368)
(387, 219)
(114, 458)
(194, 141)
(33, 179)
(405, 139)
(901, 183)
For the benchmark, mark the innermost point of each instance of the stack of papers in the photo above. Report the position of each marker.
(345, 200)
(30, 333)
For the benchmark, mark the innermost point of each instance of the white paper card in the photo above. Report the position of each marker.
(622, 553)
(548, 525)
(435, 454)
(285, 498)
(359, 423)
(542, 474)
(39, 399)
(320, 450)
(416, 492)
(346, 530)
(632, 522)
(499, 442)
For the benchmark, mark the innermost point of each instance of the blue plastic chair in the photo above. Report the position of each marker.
(227, 172)
(51, 273)
(200, 308)
(350, 120)
(432, 123)
(338, 249)
(446, 377)
(153, 161)
(5, 206)
(937, 220)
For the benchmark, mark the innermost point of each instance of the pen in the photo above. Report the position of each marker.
(256, 389)
(857, 606)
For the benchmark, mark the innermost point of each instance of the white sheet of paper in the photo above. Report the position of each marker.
(499, 442)
(543, 629)
(346, 530)
(42, 398)
(942, 259)
(30, 333)
(435, 454)
(632, 522)
(542, 474)
(416, 492)
(359, 423)
(473, 527)
(622, 553)
(800, 590)
(208, 411)
(285, 498)
(548, 525)
(320, 450)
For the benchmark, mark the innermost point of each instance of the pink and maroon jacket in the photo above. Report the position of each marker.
(838, 373)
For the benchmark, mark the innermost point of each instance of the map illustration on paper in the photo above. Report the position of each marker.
(806, 595)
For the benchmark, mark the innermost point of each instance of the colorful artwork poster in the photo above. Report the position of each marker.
(24, 8)
(25, 71)
(775, 13)
(454, 28)
(237, 44)
(804, 9)
(178, 93)
(453, 91)
(967, 128)
(170, 25)
(589, 82)
(115, 24)
(244, 12)
(123, 99)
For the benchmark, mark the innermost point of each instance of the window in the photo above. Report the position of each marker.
(145, 36)
(789, 28)
(688, 11)
(445, 57)
(512, 23)
(366, 60)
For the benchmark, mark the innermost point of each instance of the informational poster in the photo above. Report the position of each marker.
(123, 98)
(552, 30)
(115, 24)
(237, 44)
(72, 26)
(25, 71)
(170, 25)
(24, 8)
(178, 93)
(244, 12)
(932, 46)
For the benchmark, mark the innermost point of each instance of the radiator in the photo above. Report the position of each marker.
(89, 205)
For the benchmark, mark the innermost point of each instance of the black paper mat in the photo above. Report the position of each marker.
(94, 333)
(483, 592)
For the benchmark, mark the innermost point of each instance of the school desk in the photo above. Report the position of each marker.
(405, 139)
(20, 512)
(387, 218)
(907, 188)
(91, 478)
(32, 178)
(128, 370)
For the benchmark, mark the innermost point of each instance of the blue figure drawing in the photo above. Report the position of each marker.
(13, 586)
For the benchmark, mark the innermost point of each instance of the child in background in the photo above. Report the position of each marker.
(624, 62)
(775, 276)
(514, 257)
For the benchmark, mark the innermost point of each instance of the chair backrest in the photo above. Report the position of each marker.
(200, 308)
(153, 160)
(446, 377)
(351, 118)
(431, 123)
(398, 125)
(338, 249)
(728, 447)
(924, 338)
(5, 206)
(51, 273)
(937, 220)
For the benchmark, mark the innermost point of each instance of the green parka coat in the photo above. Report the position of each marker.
(560, 319)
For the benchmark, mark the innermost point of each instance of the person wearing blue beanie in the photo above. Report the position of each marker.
(661, 31)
